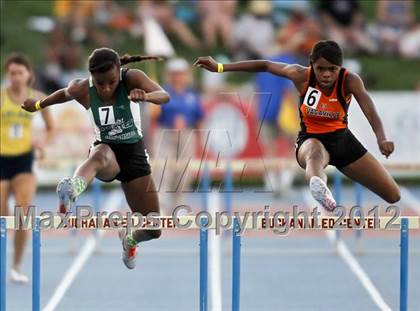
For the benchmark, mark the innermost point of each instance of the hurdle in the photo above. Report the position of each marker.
(404, 225)
(3, 266)
(204, 244)
(236, 267)
(359, 191)
(203, 269)
(8, 222)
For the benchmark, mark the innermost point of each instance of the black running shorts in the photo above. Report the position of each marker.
(342, 145)
(132, 159)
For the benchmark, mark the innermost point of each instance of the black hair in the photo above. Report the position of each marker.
(103, 59)
(328, 49)
(20, 59)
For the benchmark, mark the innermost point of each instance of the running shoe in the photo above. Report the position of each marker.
(18, 277)
(66, 194)
(322, 194)
(129, 248)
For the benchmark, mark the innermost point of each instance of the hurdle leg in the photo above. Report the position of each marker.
(3, 266)
(36, 267)
(338, 183)
(228, 188)
(359, 198)
(236, 266)
(205, 187)
(404, 265)
(96, 203)
(203, 268)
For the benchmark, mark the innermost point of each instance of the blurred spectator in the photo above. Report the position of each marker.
(273, 92)
(409, 45)
(78, 15)
(175, 136)
(253, 34)
(217, 20)
(186, 11)
(396, 28)
(163, 12)
(393, 20)
(343, 22)
(109, 13)
(63, 61)
(298, 34)
(281, 9)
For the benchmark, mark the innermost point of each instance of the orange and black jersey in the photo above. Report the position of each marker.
(320, 113)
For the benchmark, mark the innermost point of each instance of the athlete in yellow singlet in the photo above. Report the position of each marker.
(17, 148)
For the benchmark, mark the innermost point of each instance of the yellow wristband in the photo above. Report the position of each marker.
(38, 105)
(219, 67)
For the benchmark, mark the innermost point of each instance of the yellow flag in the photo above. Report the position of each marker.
(288, 119)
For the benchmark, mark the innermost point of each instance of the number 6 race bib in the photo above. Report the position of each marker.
(312, 97)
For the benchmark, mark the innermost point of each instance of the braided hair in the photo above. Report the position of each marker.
(103, 59)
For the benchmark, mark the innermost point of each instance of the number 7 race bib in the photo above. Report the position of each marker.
(312, 97)
(106, 115)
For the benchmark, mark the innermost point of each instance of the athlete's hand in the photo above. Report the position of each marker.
(29, 105)
(386, 147)
(206, 62)
(39, 149)
(137, 95)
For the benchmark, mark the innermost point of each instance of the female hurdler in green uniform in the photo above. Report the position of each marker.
(112, 95)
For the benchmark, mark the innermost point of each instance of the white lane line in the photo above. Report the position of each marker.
(71, 274)
(408, 198)
(351, 262)
(88, 248)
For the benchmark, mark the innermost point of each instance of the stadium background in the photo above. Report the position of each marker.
(59, 35)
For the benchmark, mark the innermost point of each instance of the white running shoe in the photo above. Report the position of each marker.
(18, 277)
(322, 194)
(66, 194)
(129, 248)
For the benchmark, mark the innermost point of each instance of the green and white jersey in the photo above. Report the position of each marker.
(118, 123)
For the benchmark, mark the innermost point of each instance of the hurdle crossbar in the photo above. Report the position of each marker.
(167, 222)
(256, 163)
(249, 222)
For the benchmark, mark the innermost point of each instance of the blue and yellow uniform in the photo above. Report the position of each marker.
(16, 154)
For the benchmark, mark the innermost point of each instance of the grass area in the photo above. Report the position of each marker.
(390, 73)
(380, 72)
(369, 9)
(14, 34)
